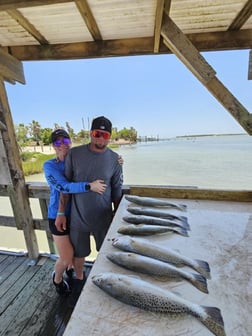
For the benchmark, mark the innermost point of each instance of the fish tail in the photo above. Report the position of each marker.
(181, 207)
(182, 231)
(199, 281)
(213, 321)
(203, 268)
(186, 225)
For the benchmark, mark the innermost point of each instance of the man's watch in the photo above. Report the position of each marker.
(87, 187)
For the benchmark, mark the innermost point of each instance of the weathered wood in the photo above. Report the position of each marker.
(44, 210)
(214, 41)
(158, 23)
(183, 48)
(16, 15)
(11, 4)
(5, 174)
(17, 191)
(11, 69)
(231, 104)
(242, 16)
(89, 19)
(29, 304)
(189, 55)
(192, 193)
(250, 66)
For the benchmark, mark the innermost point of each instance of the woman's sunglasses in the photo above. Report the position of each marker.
(98, 134)
(65, 141)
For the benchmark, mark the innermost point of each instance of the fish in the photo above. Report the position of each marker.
(155, 213)
(139, 219)
(144, 295)
(141, 246)
(154, 202)
(148, 230)
(138, 263)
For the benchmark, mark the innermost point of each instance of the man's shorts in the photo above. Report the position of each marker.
(55, 231)
(81, 241)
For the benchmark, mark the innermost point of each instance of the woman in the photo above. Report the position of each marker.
(54, 173)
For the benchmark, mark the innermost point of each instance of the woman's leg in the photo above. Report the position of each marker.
(65, 251)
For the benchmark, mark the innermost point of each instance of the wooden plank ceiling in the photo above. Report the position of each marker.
(67, 29)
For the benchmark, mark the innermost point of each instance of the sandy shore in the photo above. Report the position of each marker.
(49, 149)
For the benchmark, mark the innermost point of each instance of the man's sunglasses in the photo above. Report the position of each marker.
(98, 134)
(65, 141)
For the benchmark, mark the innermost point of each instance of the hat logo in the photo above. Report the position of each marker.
(102, 127)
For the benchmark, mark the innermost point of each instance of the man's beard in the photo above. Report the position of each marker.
(97, 146)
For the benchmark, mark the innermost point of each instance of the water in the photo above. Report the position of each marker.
(221, 162)
(216, 162)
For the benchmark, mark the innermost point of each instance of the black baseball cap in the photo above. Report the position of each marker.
(57, 133)
(101, 123)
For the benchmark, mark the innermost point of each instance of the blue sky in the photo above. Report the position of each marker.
(157, 95)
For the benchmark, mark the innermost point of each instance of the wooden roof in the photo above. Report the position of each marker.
(67, 29)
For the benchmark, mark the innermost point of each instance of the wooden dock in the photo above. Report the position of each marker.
(29, 304)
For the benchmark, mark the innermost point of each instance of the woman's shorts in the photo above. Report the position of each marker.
(55, 231)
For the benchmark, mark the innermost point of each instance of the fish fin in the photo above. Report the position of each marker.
(200, 282)
(214, 321)
(203, 268)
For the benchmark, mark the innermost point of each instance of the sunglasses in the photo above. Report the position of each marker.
(65, 141)
(98, 134)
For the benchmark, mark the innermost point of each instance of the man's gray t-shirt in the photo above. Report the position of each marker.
(92, 211)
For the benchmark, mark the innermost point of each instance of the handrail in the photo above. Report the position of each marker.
(41, 191)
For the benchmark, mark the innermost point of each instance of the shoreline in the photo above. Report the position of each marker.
(48, 149)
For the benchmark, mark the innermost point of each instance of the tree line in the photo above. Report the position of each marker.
(32, 133)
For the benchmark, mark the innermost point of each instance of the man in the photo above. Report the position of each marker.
(92, 213)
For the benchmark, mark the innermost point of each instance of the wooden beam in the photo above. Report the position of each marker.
(192, 193)
(22, 21)
(215, 41)
(89, 19)
(188, 54)
(231, 103)
(14, 4)
(182, 47)
(242, 16)
(250, 66)
(11, 69)
(158, 23)
(17, 191)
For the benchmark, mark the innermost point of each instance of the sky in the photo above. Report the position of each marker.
(157, 95)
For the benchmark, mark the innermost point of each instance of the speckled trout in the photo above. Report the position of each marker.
(141, 294)
(154, 202)
(154, 221)
(148, 230)
(156, 213)
(159, 269)
(141, 246)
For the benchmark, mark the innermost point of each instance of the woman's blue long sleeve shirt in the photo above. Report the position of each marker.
(54, 174)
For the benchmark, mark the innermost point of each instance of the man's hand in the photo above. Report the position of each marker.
(60, 223)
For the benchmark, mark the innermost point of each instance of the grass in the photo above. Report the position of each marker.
(32, 162)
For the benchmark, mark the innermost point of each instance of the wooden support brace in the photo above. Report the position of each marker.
(10, 68)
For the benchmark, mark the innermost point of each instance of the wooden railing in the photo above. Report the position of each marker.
(40, 191)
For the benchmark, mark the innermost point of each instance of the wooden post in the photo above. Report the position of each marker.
(250, 66)
(18, 192)
(44, 209)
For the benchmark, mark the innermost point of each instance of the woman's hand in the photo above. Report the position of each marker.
(120, 160)
(98, 186)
